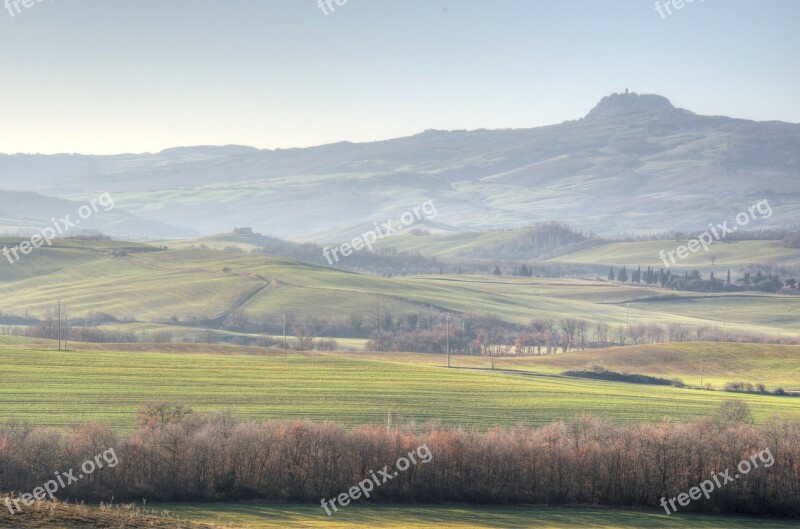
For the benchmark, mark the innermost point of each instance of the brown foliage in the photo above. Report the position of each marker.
(176, 455)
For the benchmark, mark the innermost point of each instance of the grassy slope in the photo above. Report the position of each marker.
(60, 389)
(87, 279)
(152, 287)
(734, 255)
(423, 517)
(47, 515)
(445, 245)
(773, 365)
(734, 311)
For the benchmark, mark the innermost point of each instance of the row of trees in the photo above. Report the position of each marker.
(176, 455)
(535, 242)
(83, 329)
(428, 332)
(694, 282)
(47, 331)
(488, 336)
(766, 234)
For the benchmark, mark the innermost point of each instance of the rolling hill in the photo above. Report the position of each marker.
(146, 284)
(774, 365)
(25, 213)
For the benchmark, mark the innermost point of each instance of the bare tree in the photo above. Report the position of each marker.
(637, 333)
(655, 333)
(677, 332)
(601, 333)
(569, 327)
(305, 331)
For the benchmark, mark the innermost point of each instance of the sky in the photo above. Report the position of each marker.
(114, 76)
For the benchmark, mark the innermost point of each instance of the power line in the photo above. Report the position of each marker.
(448, 340)
(59, 324)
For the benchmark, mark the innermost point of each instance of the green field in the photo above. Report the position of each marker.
(184, 286)
(49, 388)
(727, 254)
(773, 365)
(260, 516)
(170, 290)
(447, 246)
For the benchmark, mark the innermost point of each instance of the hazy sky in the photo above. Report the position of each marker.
(113, 76)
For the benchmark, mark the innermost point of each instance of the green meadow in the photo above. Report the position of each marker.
(726, 254)
(60, 389)
(777, 366)
(187, 285)
(170, 290)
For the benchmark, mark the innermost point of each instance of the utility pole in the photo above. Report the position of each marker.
(701, 369)
(448, 340)
(66, 329)
(59, 324)
(464, 336)
(284, 337)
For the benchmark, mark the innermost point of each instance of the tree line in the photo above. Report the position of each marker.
(694, 282)
(488, 335)
(177, 455)
(424, 332)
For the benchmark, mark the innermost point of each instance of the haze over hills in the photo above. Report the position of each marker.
(24, 213)
(633, 164)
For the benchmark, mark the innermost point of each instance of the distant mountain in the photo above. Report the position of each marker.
(635, 106)
(24, 213)
(634, 164)
(209, 150)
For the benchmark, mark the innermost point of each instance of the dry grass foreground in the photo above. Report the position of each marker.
(57, 515)
(47, 515)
